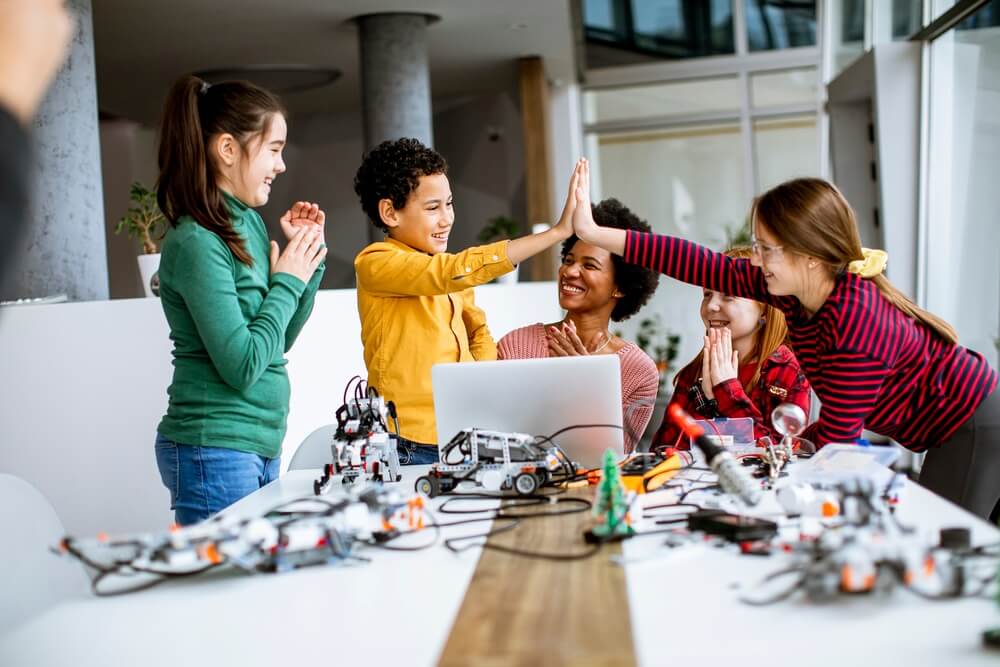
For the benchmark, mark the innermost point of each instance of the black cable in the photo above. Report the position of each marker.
(782, 595)
(162, 576)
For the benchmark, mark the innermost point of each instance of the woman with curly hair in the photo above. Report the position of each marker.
(595, 288)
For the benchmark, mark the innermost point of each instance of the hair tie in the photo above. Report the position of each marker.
(205, 85)
(872, 265)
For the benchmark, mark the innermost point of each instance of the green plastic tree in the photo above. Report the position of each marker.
(610, 504)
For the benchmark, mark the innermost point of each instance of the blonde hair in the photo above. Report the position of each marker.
(811, 216)
(767, 339)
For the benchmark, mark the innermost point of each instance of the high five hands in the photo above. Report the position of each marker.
(612, 240)
(719, 361)
(565, 224)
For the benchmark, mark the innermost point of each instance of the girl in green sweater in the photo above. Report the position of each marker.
(234, 303)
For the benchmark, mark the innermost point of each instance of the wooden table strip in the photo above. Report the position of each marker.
(525, 611)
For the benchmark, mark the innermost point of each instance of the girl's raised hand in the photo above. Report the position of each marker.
(302, 213)
(725, 360)
(706, 368)
(583, 218)
(302, 255)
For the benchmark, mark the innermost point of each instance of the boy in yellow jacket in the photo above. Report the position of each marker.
(415, 299)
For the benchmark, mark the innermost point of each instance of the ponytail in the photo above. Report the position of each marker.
(910, 309)
(194, 113)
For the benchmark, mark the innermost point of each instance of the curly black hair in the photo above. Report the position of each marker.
(392, 170)
(635, 282)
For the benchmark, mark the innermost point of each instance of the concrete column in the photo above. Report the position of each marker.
(63, 249)
(395, 77)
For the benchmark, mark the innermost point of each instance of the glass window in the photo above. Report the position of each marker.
(620, 32)
(848, 22)
(963, 237)
(682, 28)
(794, 86)
(667, 99)
(786, 148)
(600, 15)
(780, 24)
(906, 18)
(686, 182)
(985, 17)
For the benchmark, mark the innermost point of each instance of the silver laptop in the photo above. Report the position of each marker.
(538, 397)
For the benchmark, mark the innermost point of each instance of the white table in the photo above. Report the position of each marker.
(399, 608)
(685, 604)
(396, 610)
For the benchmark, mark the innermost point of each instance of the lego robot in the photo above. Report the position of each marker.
(495, 461)
(301, 533)
(362, 444)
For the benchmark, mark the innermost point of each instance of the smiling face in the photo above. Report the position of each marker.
(741, 316)
(785, 271)
(587, 279)
(251, 170)
(425, 222)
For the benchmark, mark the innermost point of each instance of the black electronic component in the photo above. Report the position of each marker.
(732, 527)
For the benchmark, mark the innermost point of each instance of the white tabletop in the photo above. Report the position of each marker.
(398, 609)
(395, 610)
(685, 604)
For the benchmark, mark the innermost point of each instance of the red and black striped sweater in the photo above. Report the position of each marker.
(871, 365)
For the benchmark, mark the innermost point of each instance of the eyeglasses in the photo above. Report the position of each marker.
(767, 252)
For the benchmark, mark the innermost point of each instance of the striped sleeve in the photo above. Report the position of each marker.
(850, 391)
(696, 264)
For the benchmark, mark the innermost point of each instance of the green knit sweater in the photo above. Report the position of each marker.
(231, 325)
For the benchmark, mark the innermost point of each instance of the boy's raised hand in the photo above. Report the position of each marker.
(301, 213)
(565, 224)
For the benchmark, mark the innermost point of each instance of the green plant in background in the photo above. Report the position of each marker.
(499, 228)
(659, 342)
(739, 236)
(144, 221)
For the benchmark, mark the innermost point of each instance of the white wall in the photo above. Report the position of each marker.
(85, 387)
(128, 154)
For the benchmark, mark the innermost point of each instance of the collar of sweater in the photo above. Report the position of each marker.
(236, 207)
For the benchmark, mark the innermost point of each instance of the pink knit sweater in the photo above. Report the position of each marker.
(640, 379)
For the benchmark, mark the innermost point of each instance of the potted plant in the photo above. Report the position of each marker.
(145, 223)
(660, 343)
(496, 229)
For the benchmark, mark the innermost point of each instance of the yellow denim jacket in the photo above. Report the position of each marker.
(418, 310)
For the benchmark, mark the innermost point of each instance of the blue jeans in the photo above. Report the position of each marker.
(416, 453)
(206, 480)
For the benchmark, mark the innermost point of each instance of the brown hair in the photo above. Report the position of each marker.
(194, 113)
(811, 216)
(767, 339)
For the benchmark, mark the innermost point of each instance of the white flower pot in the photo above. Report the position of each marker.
(148, 267)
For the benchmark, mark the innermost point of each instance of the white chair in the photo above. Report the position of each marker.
(314, 452)
(32, 577)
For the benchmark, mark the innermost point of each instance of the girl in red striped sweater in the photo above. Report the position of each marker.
(874, 358)
(744, 370)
